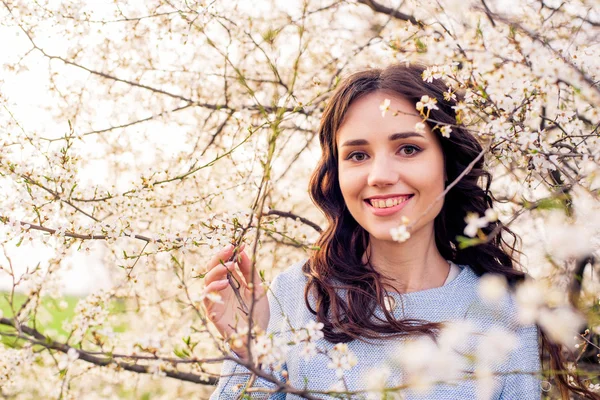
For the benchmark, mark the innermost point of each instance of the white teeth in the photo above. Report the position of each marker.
(377, 203)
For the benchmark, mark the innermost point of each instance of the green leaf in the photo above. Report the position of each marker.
(175, 260)
(181, 353)
(464, 242)
(421, 47)
(550, 203)
(269, 36)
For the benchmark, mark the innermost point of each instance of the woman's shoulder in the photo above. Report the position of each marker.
(490, 300)
(288, 286)
(291, 279)
(286, 299)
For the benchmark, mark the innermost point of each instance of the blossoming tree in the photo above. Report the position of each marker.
(161, 130)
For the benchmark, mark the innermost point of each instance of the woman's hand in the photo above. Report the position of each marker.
(229, 313)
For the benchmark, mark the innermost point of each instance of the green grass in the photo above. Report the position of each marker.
(52, 315)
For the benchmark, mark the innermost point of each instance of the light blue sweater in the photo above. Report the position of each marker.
(516, 378)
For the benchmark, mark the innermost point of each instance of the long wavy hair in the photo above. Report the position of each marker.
(338, 264)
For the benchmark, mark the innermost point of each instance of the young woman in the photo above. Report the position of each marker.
(379, 169)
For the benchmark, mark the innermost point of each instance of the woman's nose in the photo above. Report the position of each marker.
(382, 173)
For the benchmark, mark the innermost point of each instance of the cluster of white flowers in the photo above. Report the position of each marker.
(425, 362)
(426, 103)
(341, 359)
(68, 358)
(433, 72)
(539, 304)
(270, 349)
(494, 347)
(475, 222)
(89, 313)
(549, 308)
(401, 234)
(376, 383)
(308, 336)
(150, 342)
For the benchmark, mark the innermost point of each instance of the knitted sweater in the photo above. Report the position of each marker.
(515, 377)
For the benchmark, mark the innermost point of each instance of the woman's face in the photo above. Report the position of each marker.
(387, 170)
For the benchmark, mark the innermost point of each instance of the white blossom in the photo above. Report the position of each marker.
(214, 297)
(492, 287)
(474, 223)
(309, 350)
(530, 298)
(68, 358)
(496, 345)
(376, 381)
(384, 107)
(562, 324)
(427, 102)
(446, 130)
(341, 359)
(420, 127)
(400, 234)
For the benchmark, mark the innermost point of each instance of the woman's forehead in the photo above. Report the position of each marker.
(378, 113)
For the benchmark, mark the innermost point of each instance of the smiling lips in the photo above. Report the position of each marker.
(387, 206)
(388, 202)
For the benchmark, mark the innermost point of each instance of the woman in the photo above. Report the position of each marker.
(381, 168)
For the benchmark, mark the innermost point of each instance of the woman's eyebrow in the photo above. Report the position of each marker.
(392, 137)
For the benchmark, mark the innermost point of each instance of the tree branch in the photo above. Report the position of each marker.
(296, 217)
(128, 124)
(380, 8)
(35, 337)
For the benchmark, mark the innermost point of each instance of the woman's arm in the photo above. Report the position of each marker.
(235, 377)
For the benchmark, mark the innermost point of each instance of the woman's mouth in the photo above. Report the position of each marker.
(385, 207)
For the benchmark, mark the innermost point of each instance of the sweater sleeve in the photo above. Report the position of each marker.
(234, 377)
(526, 359)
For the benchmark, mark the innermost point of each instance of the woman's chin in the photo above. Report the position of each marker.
(381, 235)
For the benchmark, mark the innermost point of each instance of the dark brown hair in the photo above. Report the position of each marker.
(338, 264)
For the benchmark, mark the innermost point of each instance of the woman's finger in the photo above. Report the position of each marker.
(216, 286)
(217, 273)
(222, 255)
(246, 268)
(221, 271)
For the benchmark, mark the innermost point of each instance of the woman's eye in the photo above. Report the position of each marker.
(410, 150)
(354, 155)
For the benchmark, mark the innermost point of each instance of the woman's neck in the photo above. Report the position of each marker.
(410, 266)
